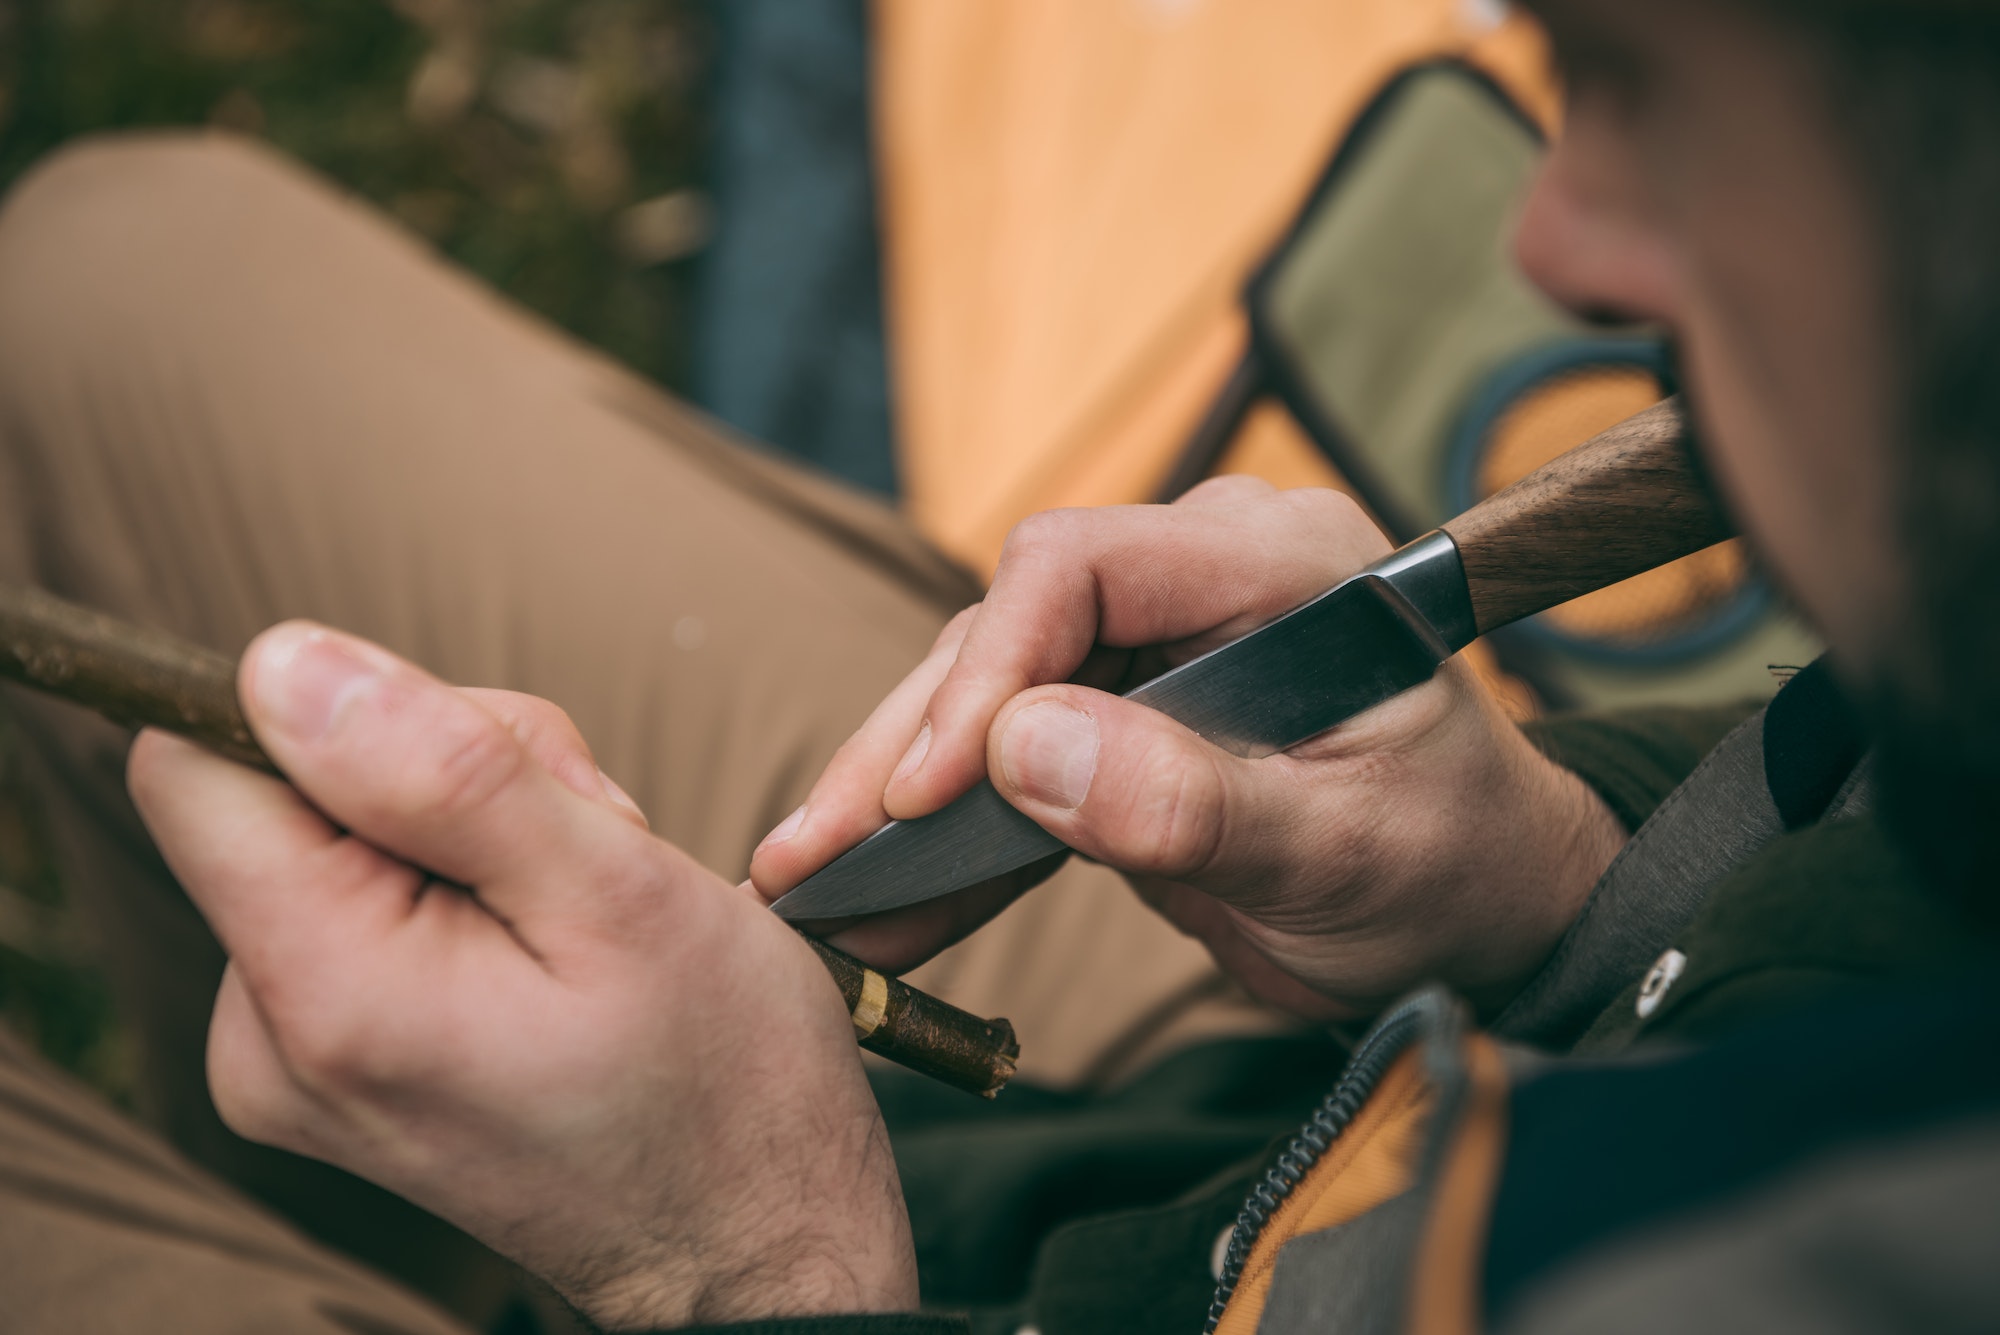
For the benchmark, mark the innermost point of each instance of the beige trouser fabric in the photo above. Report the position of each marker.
(229, 395)
(103, 1228)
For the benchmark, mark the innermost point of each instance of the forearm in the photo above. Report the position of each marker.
(791, 1240)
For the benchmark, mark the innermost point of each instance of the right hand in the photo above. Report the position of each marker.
(1425, 838)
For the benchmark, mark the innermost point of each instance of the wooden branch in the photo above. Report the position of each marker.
(131, 674)
(915, 1029)
(144, 678)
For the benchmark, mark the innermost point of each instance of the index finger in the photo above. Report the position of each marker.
(1124, 576)
(845, 804)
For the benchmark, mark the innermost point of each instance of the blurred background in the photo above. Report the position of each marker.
(557, 148)
(554, 147)
(1120, 244)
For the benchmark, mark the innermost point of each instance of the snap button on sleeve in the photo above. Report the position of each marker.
(1659, 978)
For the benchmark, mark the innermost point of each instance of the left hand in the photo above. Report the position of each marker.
(1424, 838)
(460, 966)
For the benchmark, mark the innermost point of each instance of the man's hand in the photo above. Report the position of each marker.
(460, 966)
(1424, 838)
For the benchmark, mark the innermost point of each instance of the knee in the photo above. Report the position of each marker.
(131, 193)
(106, 238)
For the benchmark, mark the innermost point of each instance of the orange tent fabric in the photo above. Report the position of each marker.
(1073, 193)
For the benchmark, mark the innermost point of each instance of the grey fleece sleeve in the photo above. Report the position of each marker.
(1720, 815)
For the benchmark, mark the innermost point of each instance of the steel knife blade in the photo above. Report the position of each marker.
(1370, 637)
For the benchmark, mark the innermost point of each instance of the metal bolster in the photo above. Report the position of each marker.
(1428, 581)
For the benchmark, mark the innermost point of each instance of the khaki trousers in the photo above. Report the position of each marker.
(229, 395)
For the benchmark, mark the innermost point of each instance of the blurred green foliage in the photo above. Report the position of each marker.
(49, 992)
(551, 146)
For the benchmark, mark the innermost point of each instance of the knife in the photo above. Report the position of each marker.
(1619, 504)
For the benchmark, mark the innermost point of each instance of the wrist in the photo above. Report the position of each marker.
(817, 1281)
(807, 1249)
(1568, 836)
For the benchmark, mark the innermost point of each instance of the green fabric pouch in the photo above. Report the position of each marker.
(1394, 325)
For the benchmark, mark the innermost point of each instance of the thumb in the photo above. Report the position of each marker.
(1128, 786)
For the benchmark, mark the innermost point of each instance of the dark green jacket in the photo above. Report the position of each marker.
(1757, 886)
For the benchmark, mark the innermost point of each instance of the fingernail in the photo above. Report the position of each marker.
(787, 827)
(621, 797)
(913, 759)
(1049, 753)
(306, 676)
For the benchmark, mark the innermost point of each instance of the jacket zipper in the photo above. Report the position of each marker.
(1372, 1058)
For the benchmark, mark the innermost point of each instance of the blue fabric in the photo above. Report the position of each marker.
(789, 343)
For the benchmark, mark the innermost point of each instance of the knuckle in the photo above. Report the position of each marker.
(1039, 534)
(1225, 488)
(328, 1051)
(1177, 812)
(549, 717)
(1190, 821)
(471, 758)
(530, 718)
(954, 630)
(1330, 507)
(560, 724)
(246, 1109)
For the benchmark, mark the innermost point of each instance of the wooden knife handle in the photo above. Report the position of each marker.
(1616, 506)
